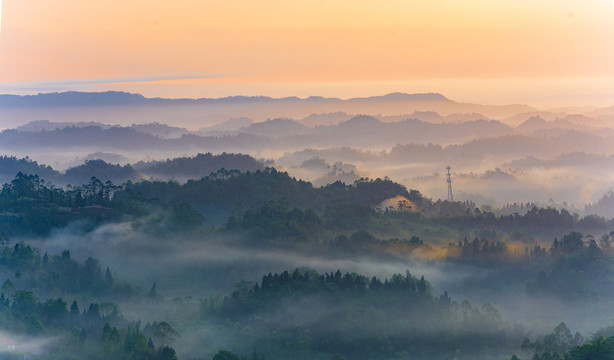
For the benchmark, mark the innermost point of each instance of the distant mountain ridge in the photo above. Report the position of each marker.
(73, 98)
(358, 130)
(284, 133)
(113, 98)
(122, 108)
(46, 125)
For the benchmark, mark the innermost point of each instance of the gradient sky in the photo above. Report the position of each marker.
(504, 50)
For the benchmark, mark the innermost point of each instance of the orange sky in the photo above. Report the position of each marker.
(339, 48)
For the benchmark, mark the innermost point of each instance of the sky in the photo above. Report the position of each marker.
(546, 52)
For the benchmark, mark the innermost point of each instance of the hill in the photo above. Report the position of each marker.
(121, 108)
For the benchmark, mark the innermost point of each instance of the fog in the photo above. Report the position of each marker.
(202, 267)
(18, 343)
(505, 154)
(145, 259)
(499, 155)
(188, 271)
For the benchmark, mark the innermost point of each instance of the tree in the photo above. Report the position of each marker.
(226, 355)
(572, 242)
(74, 310)
(110, 338)
(135, 344)
(165, 353)
(55, 312)
(185, 217)
(108, 277)
(164, 332)
(8, 287)
(153, 293)
(403, 205)
(4, 240)
(601, 348)
(606, 242)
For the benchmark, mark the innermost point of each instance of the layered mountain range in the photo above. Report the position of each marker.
(561, 155)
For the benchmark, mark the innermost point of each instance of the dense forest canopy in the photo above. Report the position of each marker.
(306, 180)
(74, 305)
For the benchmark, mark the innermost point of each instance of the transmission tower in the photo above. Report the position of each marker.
(449, 180)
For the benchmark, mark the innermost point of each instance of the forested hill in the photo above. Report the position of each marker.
(181, 168)
(198, 166)
(228, 188)
(10, 166)
(29, 203)
(360, 318)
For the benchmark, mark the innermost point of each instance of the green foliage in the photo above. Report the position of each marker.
(601, 348)
(57, 273)
(481, 250)
(578, 271)
(342, 313)
(553, 345)
(184, 217)
(10, 165)
(300, 312)
(275, 222)
(223, 189)
(572, 242)
(99, 169)
(162, 332)
(201, 165)
(226, 355)
(31, 207)
(349, 215)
